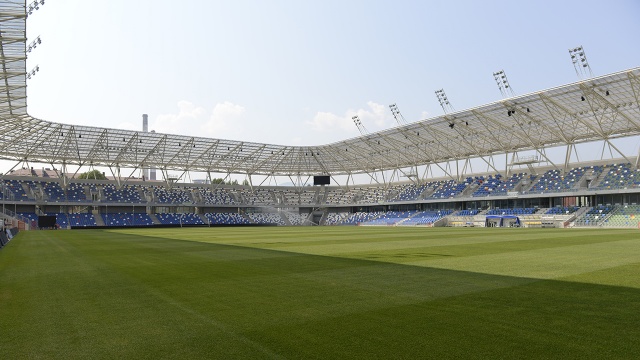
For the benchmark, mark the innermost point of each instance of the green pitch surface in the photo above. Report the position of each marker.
(321, 292)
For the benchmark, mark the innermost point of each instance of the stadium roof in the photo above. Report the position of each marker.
(601, 108)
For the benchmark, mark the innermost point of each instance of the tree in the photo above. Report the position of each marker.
(93, 174)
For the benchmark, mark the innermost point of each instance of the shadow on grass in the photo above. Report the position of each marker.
(100, 295)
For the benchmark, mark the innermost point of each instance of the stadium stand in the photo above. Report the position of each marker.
(226, 219)
(266, 218)
(179, 219)
(127, 194)
(627, 216)
(82, 220)
(426, 217)
(281, 204)
(515, 211)
(620, 176)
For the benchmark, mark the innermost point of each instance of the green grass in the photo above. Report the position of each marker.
(321, 292)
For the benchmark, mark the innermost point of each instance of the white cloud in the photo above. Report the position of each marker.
(225, 119)
(425, 115)
(374, 118)
(184, 122)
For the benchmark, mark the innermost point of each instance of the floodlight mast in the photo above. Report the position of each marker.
(35, 5)
(397, 115)
(361, 128)
(444, 101)
(33, 72)
(34, 44)
(503, 84)
(445, 104)
(580, 63)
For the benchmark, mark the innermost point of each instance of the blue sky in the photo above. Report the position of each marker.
(295, 72)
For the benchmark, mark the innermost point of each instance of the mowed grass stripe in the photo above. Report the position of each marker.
(106, 300)
(61, 302)
(325, 240)
(141, 294)
(534, 253)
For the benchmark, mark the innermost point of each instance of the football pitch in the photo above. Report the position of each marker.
(321, 292)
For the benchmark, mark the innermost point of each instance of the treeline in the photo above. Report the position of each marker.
(233, 182)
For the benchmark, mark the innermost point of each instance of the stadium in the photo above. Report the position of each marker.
(460, 235)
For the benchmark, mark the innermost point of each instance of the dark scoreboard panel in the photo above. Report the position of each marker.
(46, 221)
(322, 180)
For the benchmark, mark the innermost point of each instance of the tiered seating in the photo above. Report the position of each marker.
(516, 211)
(294, 197)
(486, 186)
(497, 185)
(192, 219)
(173, 196)
(82, 220)
(179, 219)
(369, 195)
(226, 219)
(390, 218)
(15, 190)
(594, 216)
(627, 216)
(562, 210)
(554, 181)
(359, 217)
(34, 189)
(266, 218)
(467, 212)
(127, 194)
(53, 191)
(308, 197)
(410, 192)
(426, 217)
(449, 189)
(216, 196)
(508, 184)
(142, 219)
(340, 197)
(117, 219)
(61, 219)
(75, 192)
(620, 177)
(296, 219)
(33, 217)
(335, 218)
(93, 189)
(258, 197)
(127, 219)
